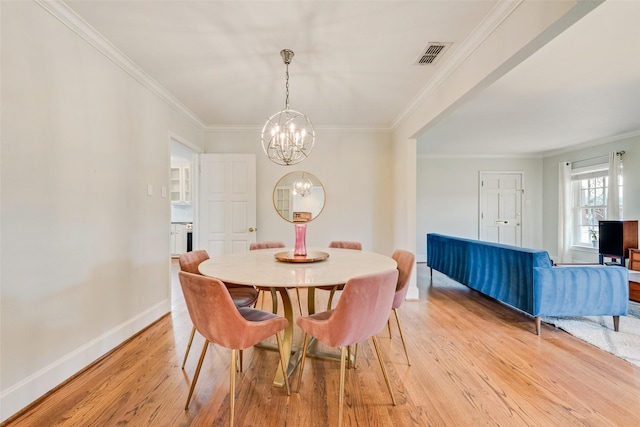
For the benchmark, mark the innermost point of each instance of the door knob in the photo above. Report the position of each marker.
(251, 229)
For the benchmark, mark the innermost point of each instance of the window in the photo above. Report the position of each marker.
(590, 193)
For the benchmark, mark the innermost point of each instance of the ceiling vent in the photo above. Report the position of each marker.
(432, 53)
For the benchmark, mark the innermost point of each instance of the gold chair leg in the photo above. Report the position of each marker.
(331, 294)
(281, 353)
(232, 387)
(384, 370)
(343, 354)
(389, 327)
(299, 303)
(404, 345)
(186, 353)
(240, 357)
(260, 294)
(355, 356)
(302, 360)
(195, 376)
(311, 301)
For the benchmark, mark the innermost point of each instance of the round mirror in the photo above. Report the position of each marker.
(298, 197)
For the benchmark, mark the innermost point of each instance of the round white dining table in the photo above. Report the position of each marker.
(261, 268)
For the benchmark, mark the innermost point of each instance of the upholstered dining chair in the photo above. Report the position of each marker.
(361, 312)
(345, 244)
(271, 244)
(220, 321)
(242, 296)
(405, 261)
(340, 244)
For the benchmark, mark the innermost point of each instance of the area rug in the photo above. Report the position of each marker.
(598, 331)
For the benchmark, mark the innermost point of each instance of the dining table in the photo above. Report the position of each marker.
(280, 270)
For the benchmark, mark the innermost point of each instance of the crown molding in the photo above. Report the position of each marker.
(493, 20)
(325, 128)
(73, 21)
(479, 156)
(593, 143)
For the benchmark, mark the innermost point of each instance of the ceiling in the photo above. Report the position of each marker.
(355, 67)
(581, 88)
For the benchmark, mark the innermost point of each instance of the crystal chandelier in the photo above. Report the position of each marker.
(302, 187)
(288, 136)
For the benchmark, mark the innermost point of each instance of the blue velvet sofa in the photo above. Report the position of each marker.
(526, 279)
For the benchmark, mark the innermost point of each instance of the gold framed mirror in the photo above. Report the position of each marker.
(299, 197)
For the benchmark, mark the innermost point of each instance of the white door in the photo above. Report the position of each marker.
(501, 207)
(227, 203)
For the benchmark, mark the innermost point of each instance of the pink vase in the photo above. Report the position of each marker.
(301, 240)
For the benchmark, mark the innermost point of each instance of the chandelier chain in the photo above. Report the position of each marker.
(286, 103)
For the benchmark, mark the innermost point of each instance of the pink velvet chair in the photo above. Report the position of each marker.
(340, 244)
(220, 321)
(405, 261)
(361, 312)
(344, 244)
(272, 244)
(242, 296)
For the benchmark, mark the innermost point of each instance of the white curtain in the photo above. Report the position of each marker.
(565, 214)
(613, 201)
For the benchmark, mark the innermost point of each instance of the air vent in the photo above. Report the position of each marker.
(432, 53)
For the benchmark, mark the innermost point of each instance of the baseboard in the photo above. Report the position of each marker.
(21, 394)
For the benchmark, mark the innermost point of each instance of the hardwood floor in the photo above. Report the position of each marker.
(474, 362)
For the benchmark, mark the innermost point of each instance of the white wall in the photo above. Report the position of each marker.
(354, 168)
(84, 251)
(448, 197)
(631, 189)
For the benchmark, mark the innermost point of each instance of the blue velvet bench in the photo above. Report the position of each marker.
(527, 280)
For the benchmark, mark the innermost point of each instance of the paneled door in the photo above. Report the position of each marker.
(227, 203)
(501, 207)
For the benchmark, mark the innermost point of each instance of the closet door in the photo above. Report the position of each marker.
(501, 207)
(227, 203)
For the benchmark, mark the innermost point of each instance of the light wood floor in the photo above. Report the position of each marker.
(474, 362)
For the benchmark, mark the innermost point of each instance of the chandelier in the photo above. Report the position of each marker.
(288, 136)
(302, 187)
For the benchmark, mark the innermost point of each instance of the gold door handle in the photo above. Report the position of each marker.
(251, 229)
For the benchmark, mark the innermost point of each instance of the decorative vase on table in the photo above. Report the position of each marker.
(301, 237)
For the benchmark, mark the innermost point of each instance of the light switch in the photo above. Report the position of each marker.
(149, 189)
(163, 191)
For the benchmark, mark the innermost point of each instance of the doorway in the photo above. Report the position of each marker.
(182, 189)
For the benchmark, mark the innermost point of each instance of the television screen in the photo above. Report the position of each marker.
(617, 237)
(610, 238)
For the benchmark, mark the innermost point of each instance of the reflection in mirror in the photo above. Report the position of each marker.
(298, 197)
